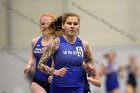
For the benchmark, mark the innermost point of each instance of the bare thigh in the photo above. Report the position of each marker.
(130, 89)
(36, 88)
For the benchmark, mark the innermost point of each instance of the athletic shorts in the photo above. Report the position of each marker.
(55, 89)
(87, 91)
(44, 85)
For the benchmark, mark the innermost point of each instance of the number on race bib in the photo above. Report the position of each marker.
(79, 51)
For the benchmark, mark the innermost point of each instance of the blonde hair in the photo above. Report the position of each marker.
(47, 14)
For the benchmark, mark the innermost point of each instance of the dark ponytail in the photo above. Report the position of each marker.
(56, 25)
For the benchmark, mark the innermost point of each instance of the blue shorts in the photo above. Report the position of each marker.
(56, 89)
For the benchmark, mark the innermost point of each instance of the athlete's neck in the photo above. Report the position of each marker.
(70, 39)
(47, 37)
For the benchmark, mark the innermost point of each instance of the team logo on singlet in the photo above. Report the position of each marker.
(38, 50)
(78, 52)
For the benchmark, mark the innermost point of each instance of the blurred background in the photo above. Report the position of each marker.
(106, 25)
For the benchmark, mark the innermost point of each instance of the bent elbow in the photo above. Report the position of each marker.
(99, 85)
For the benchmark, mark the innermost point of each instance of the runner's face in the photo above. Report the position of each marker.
(71, 26)
(45, 21)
